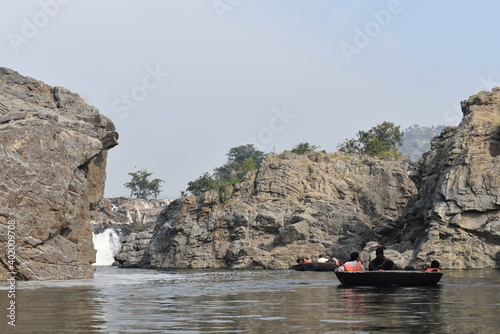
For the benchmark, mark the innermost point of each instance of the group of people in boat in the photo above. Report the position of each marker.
(322, 258)
(380, 262)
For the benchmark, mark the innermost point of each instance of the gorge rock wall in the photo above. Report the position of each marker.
(53, 153)
(445, 208)
(294, 205)
(456, 215)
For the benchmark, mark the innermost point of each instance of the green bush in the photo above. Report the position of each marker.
(303, 148)
(381, 141)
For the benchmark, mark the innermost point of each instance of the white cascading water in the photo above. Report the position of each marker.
(107, 245)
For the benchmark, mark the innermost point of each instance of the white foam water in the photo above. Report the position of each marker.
(107, 245)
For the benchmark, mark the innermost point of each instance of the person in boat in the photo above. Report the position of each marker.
(380, 262)
(434, 267)
(354, 265)
(322, 259)
(307, 260)
(334, 260)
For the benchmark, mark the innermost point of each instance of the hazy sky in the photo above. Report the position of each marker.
(184, 81)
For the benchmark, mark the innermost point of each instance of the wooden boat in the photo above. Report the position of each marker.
(315, 266)
(388, 277)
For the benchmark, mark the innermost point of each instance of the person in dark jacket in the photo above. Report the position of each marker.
(380, 262)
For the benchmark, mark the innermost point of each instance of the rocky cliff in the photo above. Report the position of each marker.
(456, 214)
(448, 208)
(294, 205)
(53, 152)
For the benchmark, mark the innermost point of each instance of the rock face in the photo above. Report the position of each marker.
(292, 206)
(456, 214)
(53, 153)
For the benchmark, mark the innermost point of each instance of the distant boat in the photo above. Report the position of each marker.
(388, 277)
(315, 266)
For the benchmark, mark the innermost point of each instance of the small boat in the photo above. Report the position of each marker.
(388, 277)
(315, 266)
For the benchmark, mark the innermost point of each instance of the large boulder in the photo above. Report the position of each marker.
(53, 152)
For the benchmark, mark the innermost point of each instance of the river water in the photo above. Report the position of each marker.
(260, 301)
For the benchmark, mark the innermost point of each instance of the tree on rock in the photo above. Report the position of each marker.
(381, 141)
(141, 187)
(303, 148)
(202, 184)
(240, 160)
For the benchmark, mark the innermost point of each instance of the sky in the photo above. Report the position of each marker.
(184, 81)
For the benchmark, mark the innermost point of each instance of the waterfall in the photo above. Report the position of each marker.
(107, 245)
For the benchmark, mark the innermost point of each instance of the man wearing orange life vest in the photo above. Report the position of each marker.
(353, 265)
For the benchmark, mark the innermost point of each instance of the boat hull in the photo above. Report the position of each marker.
(388, 277)
(315, 266)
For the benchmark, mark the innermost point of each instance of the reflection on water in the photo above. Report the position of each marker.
(74, 310)
(195, 301)
(395, 309)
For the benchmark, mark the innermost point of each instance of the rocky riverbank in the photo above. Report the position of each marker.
(293, 205)
(447, 207)
(53, 152)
